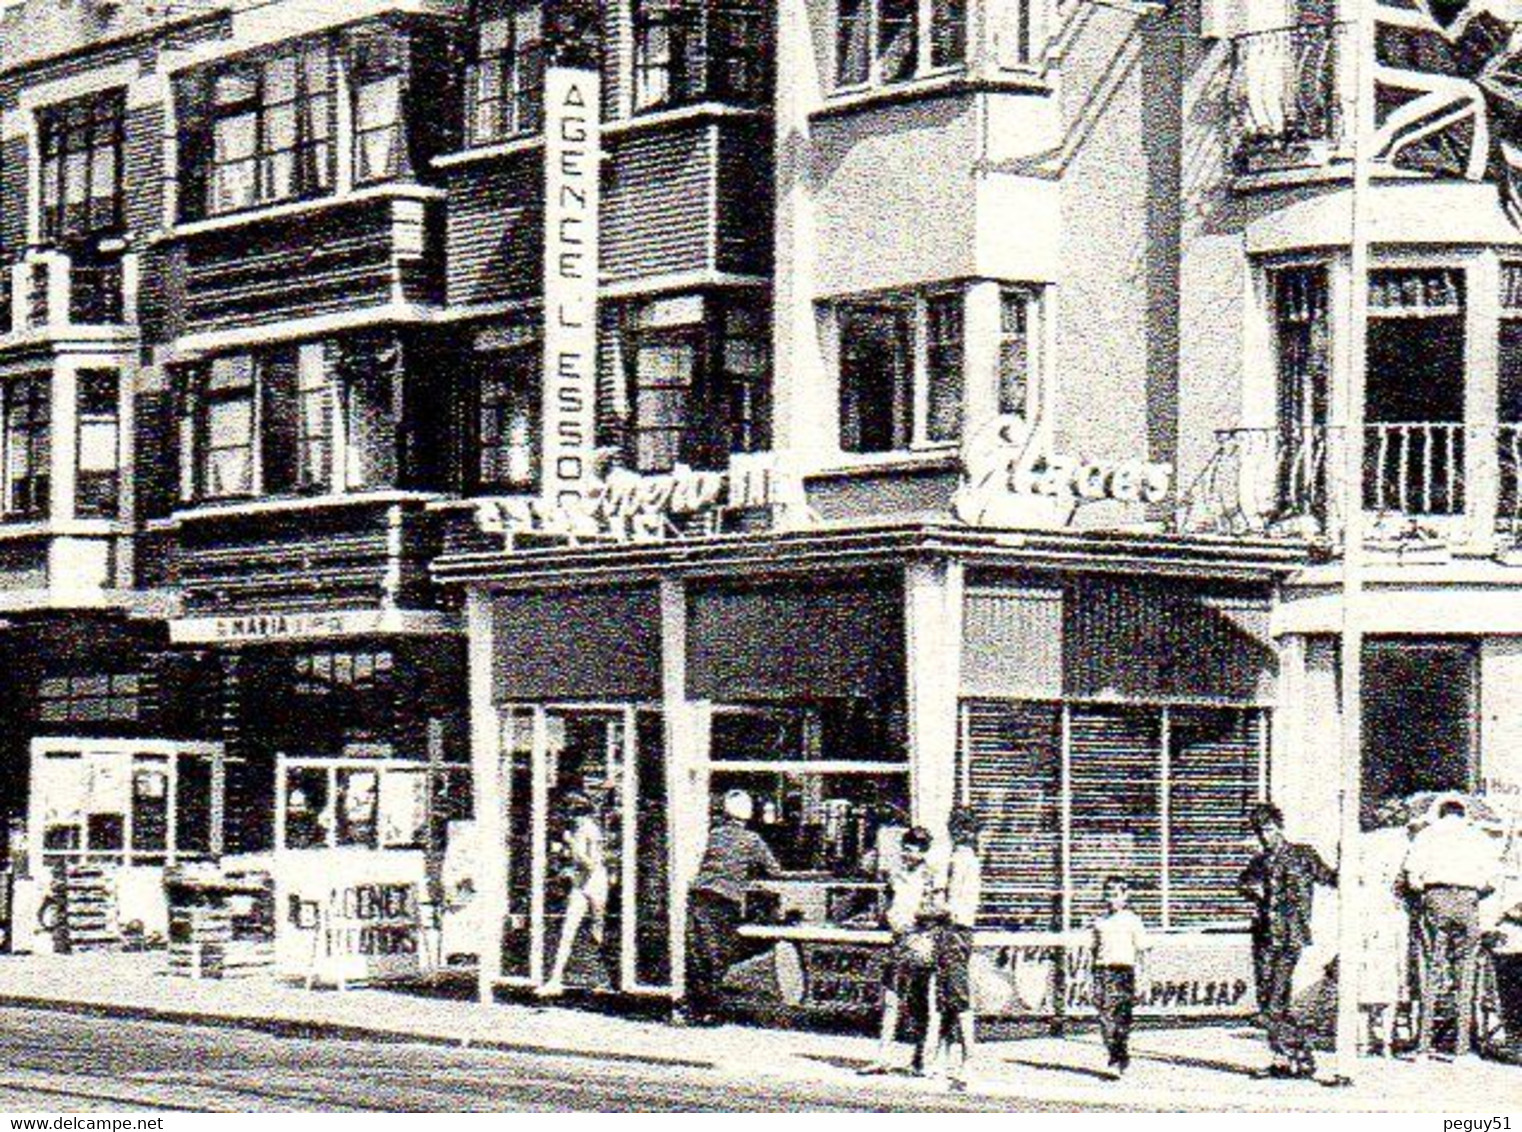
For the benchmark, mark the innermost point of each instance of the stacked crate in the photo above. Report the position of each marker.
(221, 928)
(90, 908)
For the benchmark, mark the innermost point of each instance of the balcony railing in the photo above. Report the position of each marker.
(1284, 92)
(1289, 481)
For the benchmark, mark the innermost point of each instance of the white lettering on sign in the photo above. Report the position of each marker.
(573, 150)
(627, 507)
(1009, 480)
(267, 626)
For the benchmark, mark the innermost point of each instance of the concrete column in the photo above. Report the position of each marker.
(933, 637)
(686, 773)
(1501, 722)
(486, 771)
(981, 364)
(1482, 368)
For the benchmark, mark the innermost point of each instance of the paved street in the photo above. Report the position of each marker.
(71, 1063)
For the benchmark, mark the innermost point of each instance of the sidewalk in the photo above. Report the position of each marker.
(1178, 1069)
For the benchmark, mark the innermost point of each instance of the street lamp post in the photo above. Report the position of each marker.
(1350, 935)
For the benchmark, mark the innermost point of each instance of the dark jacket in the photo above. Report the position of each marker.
(1281, 883)
(735, 857)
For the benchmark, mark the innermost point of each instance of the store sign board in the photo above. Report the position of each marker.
(1009, 479)
(253, 628)
(573, 150)
(630, 508)
(1210, 977)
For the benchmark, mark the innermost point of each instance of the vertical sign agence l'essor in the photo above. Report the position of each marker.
(573, 150)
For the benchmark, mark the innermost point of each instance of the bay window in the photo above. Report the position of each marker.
(505, 78)
(893, 41)
(696, 379)
(28, 414)
(80, 175)
(97, 480)
(288, 420)
(259, 131)
(902, 372)
(686, 51)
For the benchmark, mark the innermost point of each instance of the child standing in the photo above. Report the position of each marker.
(1120, 941)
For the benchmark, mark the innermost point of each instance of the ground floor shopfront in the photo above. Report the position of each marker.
(1106, 709)
(322, 765)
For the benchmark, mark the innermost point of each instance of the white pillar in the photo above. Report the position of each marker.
(1482, 375)
(686, 780)
(486, 770)
(933, 640)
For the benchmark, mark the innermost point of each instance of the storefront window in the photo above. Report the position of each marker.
(368, 803)
(111, 799)
(826, 777)
(1159, 795)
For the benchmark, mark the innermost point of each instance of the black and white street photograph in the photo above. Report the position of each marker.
(761, 556)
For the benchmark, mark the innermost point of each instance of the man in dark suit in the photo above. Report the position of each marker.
(1281, 883)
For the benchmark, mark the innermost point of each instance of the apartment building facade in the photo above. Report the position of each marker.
(416, 412)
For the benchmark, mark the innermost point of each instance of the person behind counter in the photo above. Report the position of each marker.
(914, 896)
(735, 856)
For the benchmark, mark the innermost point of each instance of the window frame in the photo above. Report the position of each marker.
(513, 375)
(71, 129)
(912, 387)
(706, 45)
(29, 447)
(313, 156)
(862, 46)
(97, 408)
(518, 66)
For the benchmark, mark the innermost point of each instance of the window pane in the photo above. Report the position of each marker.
(1014, 353)
(948, 32)
(852, 38)
(897, 39)
(1214, 764)
(876, 411)
(945, 365)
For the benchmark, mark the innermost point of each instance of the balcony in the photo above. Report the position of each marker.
(1284, 97)
(1424, 483)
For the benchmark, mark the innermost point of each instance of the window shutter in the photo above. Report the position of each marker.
(1213, 764)
(1013, 761)
(1115, 758)
(278, 428)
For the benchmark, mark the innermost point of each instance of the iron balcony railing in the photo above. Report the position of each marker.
(1284, 92)
(1289, 480)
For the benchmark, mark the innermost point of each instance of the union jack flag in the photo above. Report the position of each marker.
(1449, 91)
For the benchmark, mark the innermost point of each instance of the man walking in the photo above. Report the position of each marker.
(1281, 883)
(1450, 867)
(735, 856)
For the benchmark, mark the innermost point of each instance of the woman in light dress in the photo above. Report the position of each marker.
(1384, 981)
(588, 902)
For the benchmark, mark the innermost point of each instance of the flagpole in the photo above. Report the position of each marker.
(1350, 935)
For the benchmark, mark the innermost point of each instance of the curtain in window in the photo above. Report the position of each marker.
(853, 37)
(98, 458)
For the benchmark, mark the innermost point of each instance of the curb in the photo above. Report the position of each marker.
(308, 1029)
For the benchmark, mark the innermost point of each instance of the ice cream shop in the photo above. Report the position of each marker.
(1104, 702)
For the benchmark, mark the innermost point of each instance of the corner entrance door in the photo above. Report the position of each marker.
(609, 761)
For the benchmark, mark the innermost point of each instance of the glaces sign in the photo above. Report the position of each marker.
(627, 507)
(1009, 480)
